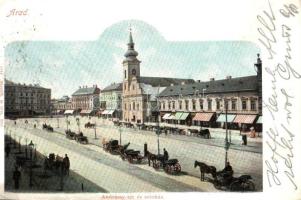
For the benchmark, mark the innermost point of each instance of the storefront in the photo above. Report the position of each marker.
(203, 119)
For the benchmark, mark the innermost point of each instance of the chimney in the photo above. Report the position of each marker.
(228, 77)
(79, 87)
(211, 79)
(198, 81)
(183, 83)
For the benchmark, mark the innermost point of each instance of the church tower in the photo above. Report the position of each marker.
(131, 65)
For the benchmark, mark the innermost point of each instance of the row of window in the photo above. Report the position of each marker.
(229, 104)
(132, 106)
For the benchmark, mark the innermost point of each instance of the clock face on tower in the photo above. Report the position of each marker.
(133, 71)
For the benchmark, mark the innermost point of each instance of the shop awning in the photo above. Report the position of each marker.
(166, 115)
(244, 119)
(222, 118)
(203, 117)
(99, 112)
(85, 111)
(184, 116)
(105, 112)
(178, 116)
(110, 112)
(259, 120)
(171, 116)
(69, 112)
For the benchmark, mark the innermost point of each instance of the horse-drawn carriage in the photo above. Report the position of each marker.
(111, 146)
(242, 183)
(47, 127)
(224, 180)
(132, 156)
(70, 134)
(53, 162)
(89, 125)
(80, 138)
(205, 133)
(171, 166)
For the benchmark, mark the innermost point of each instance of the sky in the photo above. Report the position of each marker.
(64, 66)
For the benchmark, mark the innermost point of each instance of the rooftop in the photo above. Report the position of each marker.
(163, 81)
(86, 91)
(113, 87)
(247, 83)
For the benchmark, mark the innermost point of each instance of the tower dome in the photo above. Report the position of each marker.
(131, 54)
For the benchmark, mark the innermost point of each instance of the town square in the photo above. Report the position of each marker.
(141, 132)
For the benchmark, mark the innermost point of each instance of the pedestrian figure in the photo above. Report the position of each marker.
(165, 156)
(15, 122)
(252, 132)
(16, 177)
(7, 150)
(34, 126)
(66, 162)
(244, 134)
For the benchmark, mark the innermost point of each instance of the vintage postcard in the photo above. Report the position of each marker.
(150, 99)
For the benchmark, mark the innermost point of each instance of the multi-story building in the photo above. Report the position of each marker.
(26, 100)
(210, 103)
(111, 100)
(59, 106)
(86, 99)
(139, 104)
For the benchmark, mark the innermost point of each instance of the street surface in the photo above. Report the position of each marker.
(114, 175)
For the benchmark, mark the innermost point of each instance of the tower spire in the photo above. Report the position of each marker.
(131, 54)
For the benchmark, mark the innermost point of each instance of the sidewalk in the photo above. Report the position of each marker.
(43, 183)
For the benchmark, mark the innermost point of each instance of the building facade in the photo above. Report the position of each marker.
(138, 102)
(212, 103)
(26, 100)
(111, 101)
(86, 99)
(59, 106)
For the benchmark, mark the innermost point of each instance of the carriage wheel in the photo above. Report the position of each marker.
(178, 168)
(236, 186)
(156, 165)
(139, 160)
(122, 157)
(130, 159)
(242, 186)
(167, 169)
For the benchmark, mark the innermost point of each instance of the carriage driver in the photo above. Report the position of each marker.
(227, 172)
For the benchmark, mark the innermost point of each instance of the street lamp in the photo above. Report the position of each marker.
(95, 130)
(204, 89)
(31, 146)
(78, 124)
(26, 147)
(119, 129)
(20, 144)
(67, 122)
(227, 144)
(158, 132)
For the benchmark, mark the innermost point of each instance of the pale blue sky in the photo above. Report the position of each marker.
(64, 66)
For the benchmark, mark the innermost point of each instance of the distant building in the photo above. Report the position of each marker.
(26, 100)
(111, 101)
(86, 99)
(139, 104)
(59, 106)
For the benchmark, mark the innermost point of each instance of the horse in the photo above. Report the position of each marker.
(154, 158)
(205, 169)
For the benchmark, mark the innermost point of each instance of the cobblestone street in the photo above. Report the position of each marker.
(108, 167)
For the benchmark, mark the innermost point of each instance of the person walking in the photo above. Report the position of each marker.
(66, 162)
(7, 150)
(16, 177)
(243, 133)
